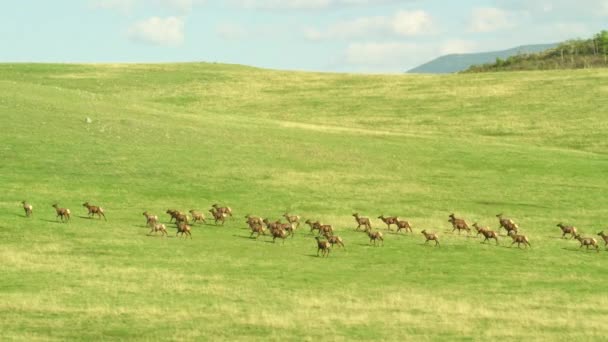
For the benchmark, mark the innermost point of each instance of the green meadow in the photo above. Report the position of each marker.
(531, 145)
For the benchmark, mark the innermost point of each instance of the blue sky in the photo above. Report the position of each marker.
(387, 36)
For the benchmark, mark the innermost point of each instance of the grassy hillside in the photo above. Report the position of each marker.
(530, 145)
(571, 54)
(459, 62)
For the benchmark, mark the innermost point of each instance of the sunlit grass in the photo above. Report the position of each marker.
(529, 145)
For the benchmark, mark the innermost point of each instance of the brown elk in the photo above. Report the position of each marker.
(257, 228)
(313, 225)
(362, 221)
(292, 219)
(197, 216)
(403, 224)
(218, 216)
(151, 220)
(93, 210)
(389, 220)
(567, 230)
(323, 246)
(62, 212)
(184, 228)
(486, 232)
(430, 237)
(506, 223)
(278, 233)
(375, 236)
(335, 240)
(605, 237)
(28, 208)
(326, 229)
(458, 223)
(253, 219)
(519, 239)
(223, 210)
(159, 227)
(587, 242)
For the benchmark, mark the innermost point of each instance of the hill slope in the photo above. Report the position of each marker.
(185, 136)
(460, 62)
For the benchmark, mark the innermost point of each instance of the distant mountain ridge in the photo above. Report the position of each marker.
(459, 62)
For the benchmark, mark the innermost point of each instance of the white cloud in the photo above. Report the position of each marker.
(403, 23)
(457, 46)
(390, 56)
(306, 4)
(231, 32)
(412, 23)
(158, 31)
(127, 6)
(490, 19)
(116, 5)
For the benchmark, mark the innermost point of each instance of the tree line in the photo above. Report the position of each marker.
(571, 54)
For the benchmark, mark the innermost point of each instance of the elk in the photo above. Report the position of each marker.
(151, 220)
(605, 237)
(173, 213)
(257, 228)
(253, 219)
(28, 208)
(159, 227)
(184, 228)
(335, 240)
(459, 224)
(326, 229)
(223, 210)
(278, 233)
(362, 221)
(292, 219)
(375, 236)
(62, 212)
(587, 242)
(519, 239)
(287, 227)
(323, 246)
(93, 209)
(218, 216)
(507, 224)
(389, 220)
(567, 230)
(403, 224)
(480, 229)
(197, 216)
(313, 225)
(430, 237)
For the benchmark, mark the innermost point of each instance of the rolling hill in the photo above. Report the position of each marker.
(530, 145)
(459, 62)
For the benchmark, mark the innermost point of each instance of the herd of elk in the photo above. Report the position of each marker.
(281, 230)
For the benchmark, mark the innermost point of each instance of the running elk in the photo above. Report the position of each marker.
(94, 210)
(458, 223)
(389, 220)
(519, 239)
(362, 221)
(375, 236)
(587, 242)
(567, 230)
(430, 237)
(28, 208)
(323, 246)
(62, 212)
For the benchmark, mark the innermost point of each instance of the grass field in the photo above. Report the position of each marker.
(530, 145)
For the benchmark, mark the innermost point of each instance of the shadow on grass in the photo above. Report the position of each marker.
(574, 249)
(54, 221)
(509, 204)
